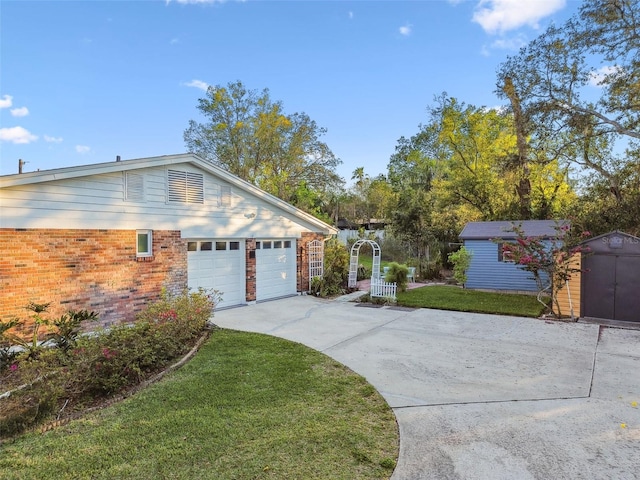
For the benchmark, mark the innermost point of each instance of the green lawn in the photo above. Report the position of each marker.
(366, 260)
(455, 298)
(248, 406)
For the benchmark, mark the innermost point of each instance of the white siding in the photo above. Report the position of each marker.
(98, 202)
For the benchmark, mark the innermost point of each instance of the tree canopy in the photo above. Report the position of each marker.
(249, 135)
(575, 91)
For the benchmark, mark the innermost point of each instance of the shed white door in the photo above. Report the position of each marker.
(275, 268)
(218, 265)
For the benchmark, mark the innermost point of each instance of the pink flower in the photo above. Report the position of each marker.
(106, 353)
(13, 367)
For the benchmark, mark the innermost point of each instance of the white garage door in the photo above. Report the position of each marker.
(275, 268)
(218, 265)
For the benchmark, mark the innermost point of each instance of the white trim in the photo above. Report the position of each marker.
(149, 248)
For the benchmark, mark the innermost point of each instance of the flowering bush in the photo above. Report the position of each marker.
(548, 259)
(126, 354)
(85, 368)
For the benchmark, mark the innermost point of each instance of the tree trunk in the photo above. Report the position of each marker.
(523, 188)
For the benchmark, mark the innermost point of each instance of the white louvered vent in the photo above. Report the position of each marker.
(185, 187)
(134, 187)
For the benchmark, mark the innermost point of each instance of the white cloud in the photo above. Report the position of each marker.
(597, 76)
(350, 15)
(82, 149)
(17, 135)
(512, 43)
(197, 84)
(6, 101)
(405, 30)
(173, 41)
(20, 112)
(499, 16)
(49, 139)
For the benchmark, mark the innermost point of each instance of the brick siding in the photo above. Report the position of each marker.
(87, 269)
(250, 259)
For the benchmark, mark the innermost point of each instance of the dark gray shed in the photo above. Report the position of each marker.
(611, 277)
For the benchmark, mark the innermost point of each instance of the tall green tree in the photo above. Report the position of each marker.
(575, 94)
(248, 134)
(468, 157)
(411, 171)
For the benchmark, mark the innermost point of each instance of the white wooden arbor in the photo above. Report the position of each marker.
(353, 263)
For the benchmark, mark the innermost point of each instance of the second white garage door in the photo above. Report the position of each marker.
(275, 268)
(218, 265)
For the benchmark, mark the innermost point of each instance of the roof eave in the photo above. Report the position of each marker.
(134, 164)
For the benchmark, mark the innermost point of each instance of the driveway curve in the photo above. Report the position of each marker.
(480, 396)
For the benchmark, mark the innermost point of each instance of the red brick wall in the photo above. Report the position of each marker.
(250, 258)
(303, 258)
(87, 269)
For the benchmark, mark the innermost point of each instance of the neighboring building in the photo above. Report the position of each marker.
(489, 268)
(109, 237)
(609, 285)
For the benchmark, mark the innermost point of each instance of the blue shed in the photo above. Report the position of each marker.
(488, 269)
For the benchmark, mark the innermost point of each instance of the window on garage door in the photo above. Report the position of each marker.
(218, 265)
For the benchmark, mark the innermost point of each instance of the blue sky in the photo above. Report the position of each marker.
(84, 81)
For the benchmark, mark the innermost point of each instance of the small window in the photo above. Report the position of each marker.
(257, 245)
(266, 245)
(234, 245)
(206, 246)
(287, 244)
(504, 256)
(221, 245)
(192, 246)
(277, 244)
(144, 243)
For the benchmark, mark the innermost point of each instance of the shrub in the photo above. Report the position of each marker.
(336, 271)
(63, 333)
(461, 260)
(67, 328)
(397, 274)
(85, 368)
(30, 344)
(432, 271)
(126, 354)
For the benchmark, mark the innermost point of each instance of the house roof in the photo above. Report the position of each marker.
(502, 229)
(134, 164)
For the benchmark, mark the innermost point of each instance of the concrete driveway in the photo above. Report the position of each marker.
(481, 396)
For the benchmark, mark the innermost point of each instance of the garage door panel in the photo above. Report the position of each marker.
(221, 270)
(275, 268)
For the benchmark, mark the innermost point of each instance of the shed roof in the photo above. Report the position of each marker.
(502, 229)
